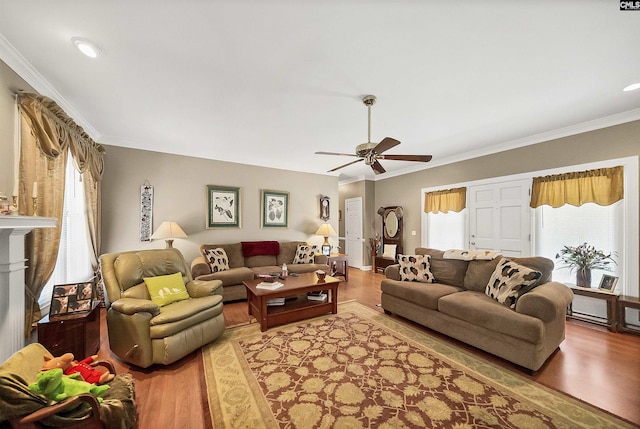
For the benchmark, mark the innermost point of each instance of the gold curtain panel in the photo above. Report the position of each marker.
(54, 131)
(444, 201)
(603, 186)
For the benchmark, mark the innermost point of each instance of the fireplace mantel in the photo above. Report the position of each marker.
(12, 266)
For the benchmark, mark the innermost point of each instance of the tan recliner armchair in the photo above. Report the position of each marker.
(141, 332)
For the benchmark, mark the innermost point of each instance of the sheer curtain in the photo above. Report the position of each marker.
(47, 135)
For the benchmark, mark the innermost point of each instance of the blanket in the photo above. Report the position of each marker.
(471, 255)
(259, 248)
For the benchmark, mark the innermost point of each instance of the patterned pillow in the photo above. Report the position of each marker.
(416, 268)
(510, 281)
(305, 254)
(165, 290)
(217, 259)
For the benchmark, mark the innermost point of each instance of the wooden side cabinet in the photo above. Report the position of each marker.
(74, 333)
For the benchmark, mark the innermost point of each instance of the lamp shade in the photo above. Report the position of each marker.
(326, 230)
(169, 231)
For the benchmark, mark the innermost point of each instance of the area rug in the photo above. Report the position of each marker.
(362, 369)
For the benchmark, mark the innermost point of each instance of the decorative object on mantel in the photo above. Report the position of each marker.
(169, 231)
(325, 210)
(4, 204)
(583, 259)
(146, 211)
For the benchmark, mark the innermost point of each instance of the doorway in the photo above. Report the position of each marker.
(353, 231)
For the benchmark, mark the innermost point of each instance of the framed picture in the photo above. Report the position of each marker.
(223, 207)
(71, 298)
(608, 283)
(275, 209)
(324, 208)
(326, 249)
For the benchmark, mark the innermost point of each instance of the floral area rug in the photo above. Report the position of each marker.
(362, 369)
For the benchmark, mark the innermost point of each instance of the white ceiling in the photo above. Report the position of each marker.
(271, 82)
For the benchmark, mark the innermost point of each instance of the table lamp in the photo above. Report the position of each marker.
(326, 230)
(169, 231)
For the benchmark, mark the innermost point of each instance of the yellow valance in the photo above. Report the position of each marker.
(54, 132)
(446, 200)
(603, 186)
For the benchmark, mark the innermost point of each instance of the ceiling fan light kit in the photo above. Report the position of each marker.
(370, 152)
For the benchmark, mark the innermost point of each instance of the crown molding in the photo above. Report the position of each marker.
(583, 127)
(26, 71)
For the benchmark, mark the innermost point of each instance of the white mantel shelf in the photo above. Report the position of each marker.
(12, 266)
(28, 222)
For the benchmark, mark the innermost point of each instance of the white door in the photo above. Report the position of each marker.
(353, 231)
(499, 218)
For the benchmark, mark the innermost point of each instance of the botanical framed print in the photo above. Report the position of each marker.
(324, 208)
(71, 298)
(223, 207)
(275, 209)
(608, 283)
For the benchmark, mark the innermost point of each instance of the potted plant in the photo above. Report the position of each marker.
(583, 259)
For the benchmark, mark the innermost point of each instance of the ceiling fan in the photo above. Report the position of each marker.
(370, 152)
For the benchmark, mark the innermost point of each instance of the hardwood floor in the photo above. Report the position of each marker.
(593, 365)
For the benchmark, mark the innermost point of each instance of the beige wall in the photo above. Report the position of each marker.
(180, 195)
(10, 84)
(607, 143)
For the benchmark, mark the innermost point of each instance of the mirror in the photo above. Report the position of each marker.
(391, 224)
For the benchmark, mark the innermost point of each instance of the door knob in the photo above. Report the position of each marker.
(473, 243)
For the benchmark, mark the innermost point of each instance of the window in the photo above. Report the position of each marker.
(74, 262)
(446, 230)
(599, 226)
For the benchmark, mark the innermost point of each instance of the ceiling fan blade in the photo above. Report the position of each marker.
(345, 165)
(335, 153)
(386, 144)
(418, 158)
(377, 168)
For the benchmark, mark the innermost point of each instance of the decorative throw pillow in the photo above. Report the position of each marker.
(389, 251)
(217, 259)
(416, 268)
(166, 289)
(305, 254)
(510, 281)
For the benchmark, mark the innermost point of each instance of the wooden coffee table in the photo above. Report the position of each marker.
(297, 306)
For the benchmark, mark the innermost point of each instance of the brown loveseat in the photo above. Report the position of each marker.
(457, 306)
(243, 267)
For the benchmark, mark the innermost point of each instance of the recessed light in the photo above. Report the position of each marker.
(632, 87)
(86, 47)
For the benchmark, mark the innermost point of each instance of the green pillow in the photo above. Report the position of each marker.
(166, 289)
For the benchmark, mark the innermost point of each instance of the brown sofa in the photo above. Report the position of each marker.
(248, 267)
(457, 306)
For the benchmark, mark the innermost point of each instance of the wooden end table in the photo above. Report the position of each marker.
(77, 333)
(296, 309)
(625, 302)
(611, 299)
(342, 265)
